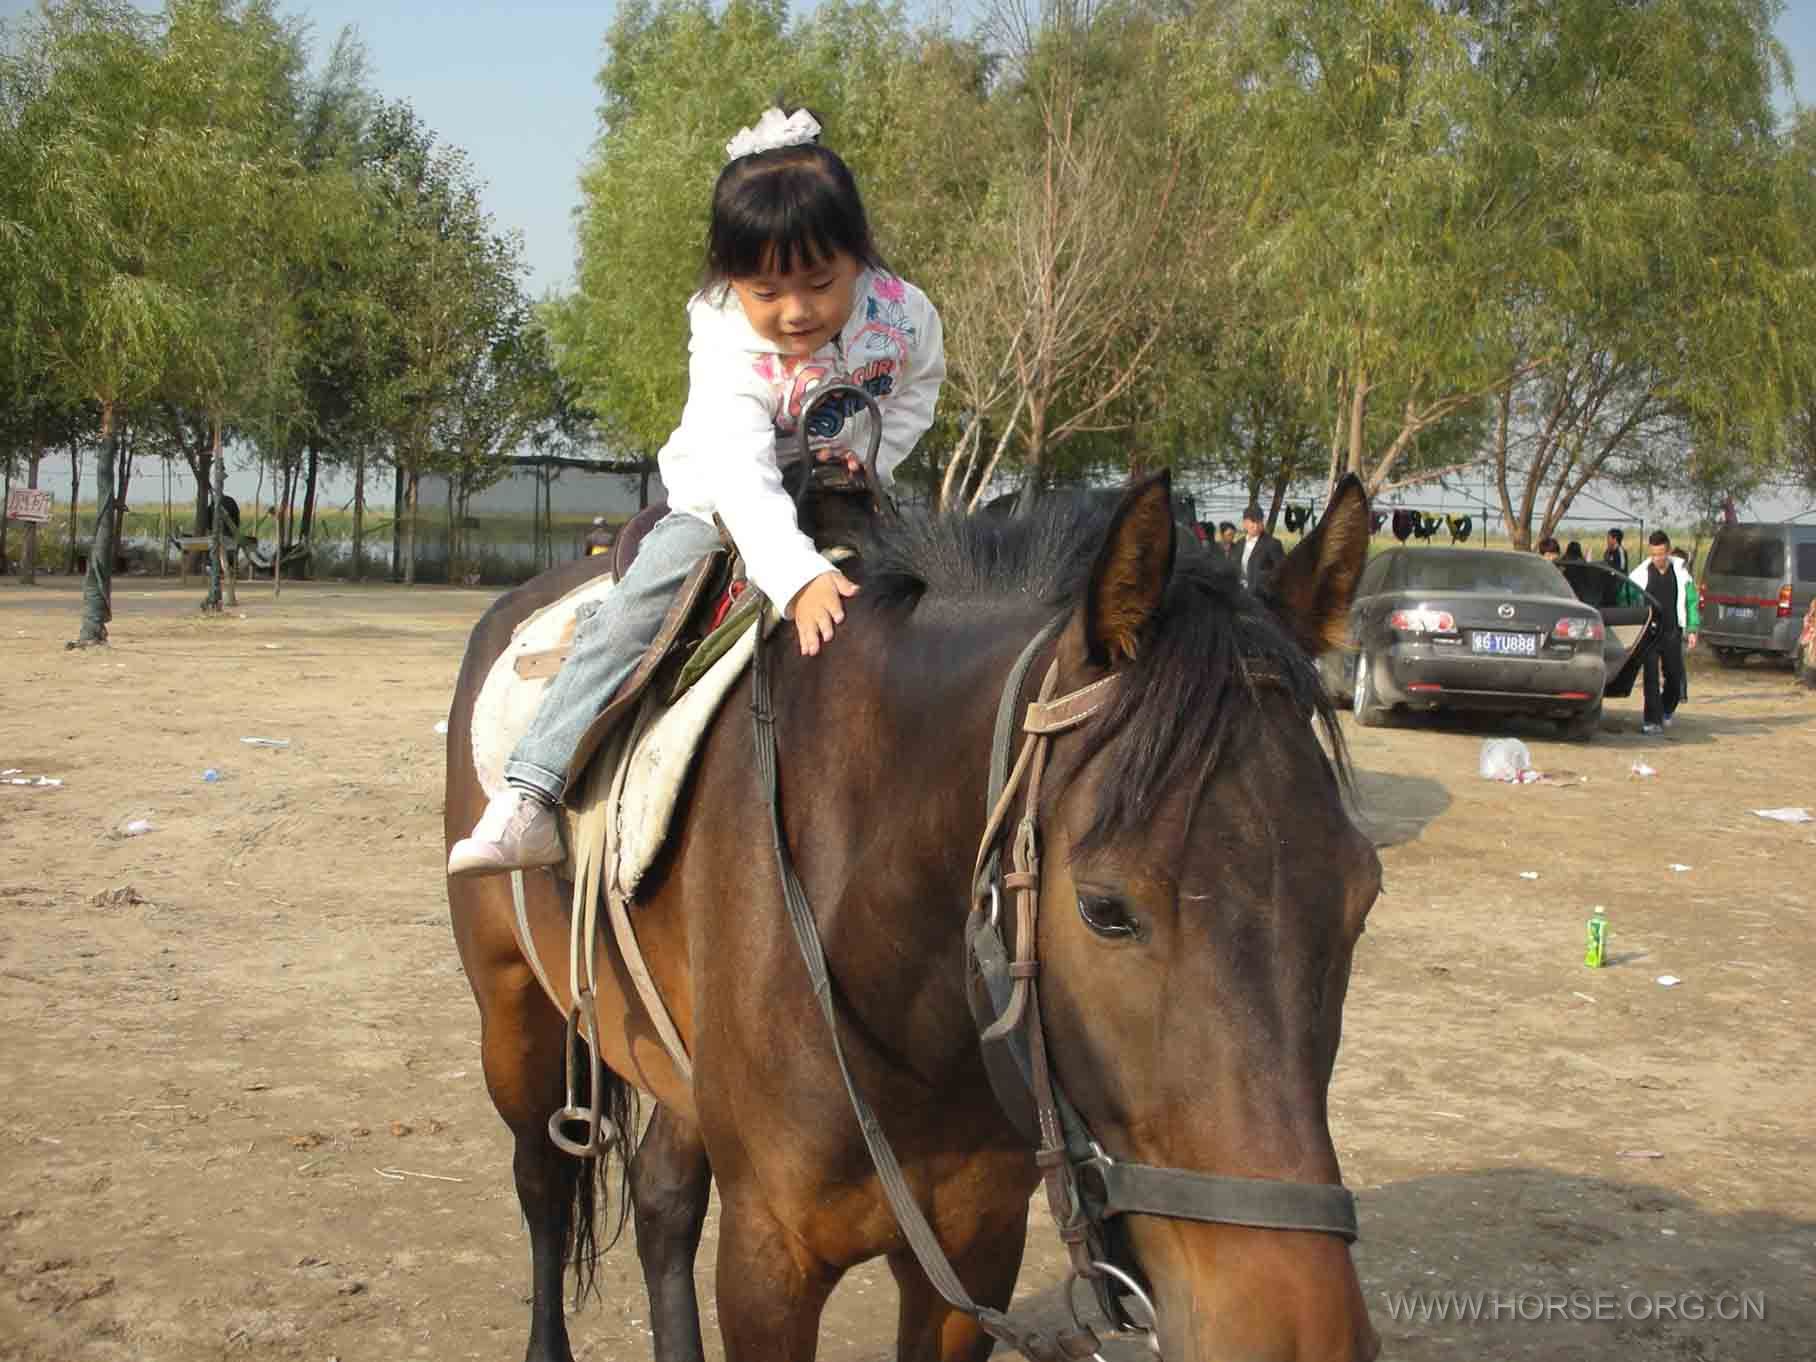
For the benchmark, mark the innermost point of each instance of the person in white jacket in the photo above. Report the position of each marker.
(1667, 580)
(796, 296)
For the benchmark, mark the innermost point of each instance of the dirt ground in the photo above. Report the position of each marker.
(241, 1113)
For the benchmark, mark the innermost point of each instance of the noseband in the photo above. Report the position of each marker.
(1086, 1187)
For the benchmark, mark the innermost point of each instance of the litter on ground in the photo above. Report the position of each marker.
(1786, 815)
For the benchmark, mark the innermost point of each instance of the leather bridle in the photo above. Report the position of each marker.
(1086, 1187)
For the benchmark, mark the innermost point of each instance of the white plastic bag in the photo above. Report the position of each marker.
(1504, 759)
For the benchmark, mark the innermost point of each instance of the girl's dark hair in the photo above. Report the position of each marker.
(782, 209)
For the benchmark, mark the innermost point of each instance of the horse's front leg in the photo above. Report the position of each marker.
(671, 1183)
(930, 1330)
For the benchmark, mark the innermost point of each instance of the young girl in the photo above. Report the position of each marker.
(795, 297)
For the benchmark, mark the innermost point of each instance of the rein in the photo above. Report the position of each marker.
(1085, 1186)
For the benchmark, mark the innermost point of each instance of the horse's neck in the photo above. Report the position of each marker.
(892, 888)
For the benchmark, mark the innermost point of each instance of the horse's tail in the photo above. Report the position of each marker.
(620, 1106)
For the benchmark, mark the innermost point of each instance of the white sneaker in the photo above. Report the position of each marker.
(516, 832)
(1670, 719)
(1651, 728)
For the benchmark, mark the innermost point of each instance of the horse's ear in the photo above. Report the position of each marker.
(1313, 588)
(1129, 576)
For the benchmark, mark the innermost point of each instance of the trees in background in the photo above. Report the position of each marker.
(1268, 241)
(1272, 240)
(202, 240)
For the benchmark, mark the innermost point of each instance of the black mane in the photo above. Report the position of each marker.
(1184, 699)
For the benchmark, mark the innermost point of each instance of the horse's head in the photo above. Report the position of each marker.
(1203, 890)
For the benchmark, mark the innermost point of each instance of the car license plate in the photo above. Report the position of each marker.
(1739, 612)
(1505, 645)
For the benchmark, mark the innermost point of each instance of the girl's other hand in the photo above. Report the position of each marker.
(820, 606)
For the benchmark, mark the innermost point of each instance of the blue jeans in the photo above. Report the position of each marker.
(610, 638)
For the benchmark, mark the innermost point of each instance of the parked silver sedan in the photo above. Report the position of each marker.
(1487, 630)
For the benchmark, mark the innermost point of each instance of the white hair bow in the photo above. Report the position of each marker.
(774, 129)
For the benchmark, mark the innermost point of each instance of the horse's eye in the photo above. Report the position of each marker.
(1105, 916)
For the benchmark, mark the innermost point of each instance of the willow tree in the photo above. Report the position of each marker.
(1669, 312)
(451, 286)
(1379, 261)
(108, 180)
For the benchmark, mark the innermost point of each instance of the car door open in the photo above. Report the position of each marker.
(1630, 620)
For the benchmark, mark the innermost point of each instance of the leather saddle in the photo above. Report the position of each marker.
(834, 507)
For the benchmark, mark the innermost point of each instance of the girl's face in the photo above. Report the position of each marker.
(803, 309)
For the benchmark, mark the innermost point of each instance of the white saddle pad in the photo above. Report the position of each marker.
(661, 747)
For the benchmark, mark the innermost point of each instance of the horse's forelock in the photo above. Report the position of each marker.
(1189, 695)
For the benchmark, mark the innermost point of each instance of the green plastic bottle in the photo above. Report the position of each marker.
(1597, 954)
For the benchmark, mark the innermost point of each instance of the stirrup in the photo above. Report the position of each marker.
(590, 1117)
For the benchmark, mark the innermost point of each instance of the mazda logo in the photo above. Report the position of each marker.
(1506, 612)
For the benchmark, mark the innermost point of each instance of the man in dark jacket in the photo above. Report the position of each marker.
(1258, 553)
(1615, 553)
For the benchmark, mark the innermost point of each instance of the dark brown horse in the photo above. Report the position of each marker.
(1204, 890)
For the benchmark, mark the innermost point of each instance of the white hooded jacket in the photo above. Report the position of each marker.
(744, 402)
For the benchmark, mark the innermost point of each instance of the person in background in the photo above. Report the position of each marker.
(1226, 539)
(1548, 549)
(1667, 581)
(1615, 553)
(1683, 566)
(1258, 553)
(1573, 551)
(600, 538)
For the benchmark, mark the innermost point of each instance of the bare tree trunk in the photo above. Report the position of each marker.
(359, 515)
(204, 481)
(952, 484)
(410, 491)
(996, 457)
(314, 457)
(1282, 480)
(75, 491)
(1358, 413)
(97, 591)
(123, 473)
(28, 569)
(218, 478)
(453, 533)
(1503, 419)
(164, 517)
(397, 522)
(6, 495)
